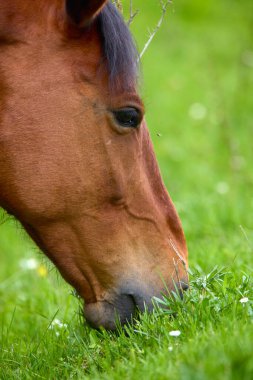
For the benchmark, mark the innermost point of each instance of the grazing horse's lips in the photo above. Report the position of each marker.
(123, 309)
(105, 313)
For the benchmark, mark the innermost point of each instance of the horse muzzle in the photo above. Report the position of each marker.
(123, 308)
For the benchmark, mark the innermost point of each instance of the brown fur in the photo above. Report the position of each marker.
(91, 197)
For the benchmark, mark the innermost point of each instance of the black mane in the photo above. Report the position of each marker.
(119, 49)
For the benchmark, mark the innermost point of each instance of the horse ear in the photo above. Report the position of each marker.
(82, 12)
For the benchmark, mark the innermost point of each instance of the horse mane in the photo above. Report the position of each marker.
(119, 49)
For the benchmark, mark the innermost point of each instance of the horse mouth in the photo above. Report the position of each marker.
(109, 314)
(124, 308)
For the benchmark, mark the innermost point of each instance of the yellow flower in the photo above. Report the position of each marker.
(42, 270)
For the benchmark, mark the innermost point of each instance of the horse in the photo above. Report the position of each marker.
(77, 166)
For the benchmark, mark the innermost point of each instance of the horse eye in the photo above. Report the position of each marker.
(128, 117)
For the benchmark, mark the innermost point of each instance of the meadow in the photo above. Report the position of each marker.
(197, 85)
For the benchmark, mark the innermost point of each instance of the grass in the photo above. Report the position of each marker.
(198, 81)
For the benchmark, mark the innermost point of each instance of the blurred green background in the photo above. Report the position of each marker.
(198, 90)
(197, 85)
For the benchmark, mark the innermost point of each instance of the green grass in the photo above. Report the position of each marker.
(202, 55)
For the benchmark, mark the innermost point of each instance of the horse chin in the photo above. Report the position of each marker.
(108, 314)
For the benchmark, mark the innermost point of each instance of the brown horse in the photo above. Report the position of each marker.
(77, 167)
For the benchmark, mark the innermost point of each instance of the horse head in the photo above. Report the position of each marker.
(77, 165)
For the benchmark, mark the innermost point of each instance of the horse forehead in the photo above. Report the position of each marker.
(15, 9)
(17, 16)
(45, 30)
(42, 25)
(28, 7)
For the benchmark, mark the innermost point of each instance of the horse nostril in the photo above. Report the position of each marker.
(183, 285)
(181, 288)
(142, 303)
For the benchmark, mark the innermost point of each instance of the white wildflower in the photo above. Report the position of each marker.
(29, 264)
(56, 323)
(175, 333)
(222, 188)
(197, 111)
(244, 300)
